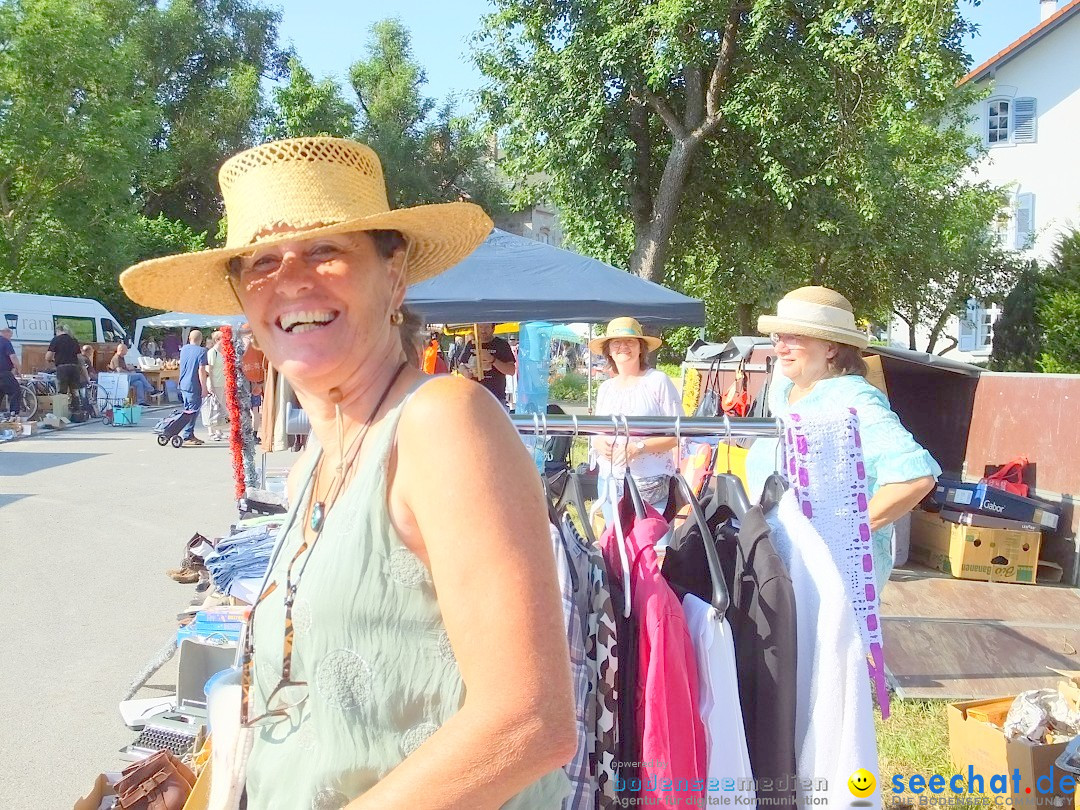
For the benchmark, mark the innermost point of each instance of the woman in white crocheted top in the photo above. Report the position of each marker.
(820, 364)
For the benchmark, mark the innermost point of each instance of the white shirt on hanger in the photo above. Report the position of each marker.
(834, 715)
(718, 703)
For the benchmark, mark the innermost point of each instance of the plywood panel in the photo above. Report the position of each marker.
(954, 639)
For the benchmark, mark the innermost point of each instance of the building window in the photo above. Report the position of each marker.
(997, 122)
(977, 326)
(1010, 121)
(1024, 217)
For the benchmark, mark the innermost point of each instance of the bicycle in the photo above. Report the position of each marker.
(31, 389)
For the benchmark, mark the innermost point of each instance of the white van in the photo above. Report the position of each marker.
(34, 318)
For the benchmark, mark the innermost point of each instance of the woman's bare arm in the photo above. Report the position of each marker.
(892, 501)
(487, 544)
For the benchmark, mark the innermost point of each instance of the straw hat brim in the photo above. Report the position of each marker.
(768, 324)
(596, 345)
(439, 236)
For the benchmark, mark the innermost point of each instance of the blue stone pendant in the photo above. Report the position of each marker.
(318, 514)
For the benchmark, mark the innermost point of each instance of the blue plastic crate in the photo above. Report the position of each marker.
(130, 415)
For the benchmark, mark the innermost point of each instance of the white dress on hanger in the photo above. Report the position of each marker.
(834, 714)
(718, 702)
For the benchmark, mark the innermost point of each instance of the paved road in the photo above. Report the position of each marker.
(89, 520)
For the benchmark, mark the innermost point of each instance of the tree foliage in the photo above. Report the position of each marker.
(739, 148)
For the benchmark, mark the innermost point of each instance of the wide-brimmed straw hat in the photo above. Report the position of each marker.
(815, 312)
(299, 189)
(623, 328)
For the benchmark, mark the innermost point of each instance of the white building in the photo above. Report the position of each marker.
(1030, 125)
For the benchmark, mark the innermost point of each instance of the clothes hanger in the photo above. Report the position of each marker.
(631, 484)
(726, 488)
(620, 537)
(572, 494)
(776, 484)
(720, 597)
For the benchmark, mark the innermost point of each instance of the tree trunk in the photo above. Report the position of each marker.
(744, 313)
(652, 238)
(820, 266)
(912, 336)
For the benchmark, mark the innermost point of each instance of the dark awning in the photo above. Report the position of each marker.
(511, 278)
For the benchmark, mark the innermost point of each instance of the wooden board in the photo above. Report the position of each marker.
(954, 639)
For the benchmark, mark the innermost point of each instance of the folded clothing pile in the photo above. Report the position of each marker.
(244, 554)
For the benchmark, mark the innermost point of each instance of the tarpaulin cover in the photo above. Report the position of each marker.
(511, 278)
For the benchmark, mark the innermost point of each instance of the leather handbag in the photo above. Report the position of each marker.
(709, 404)
(159, 782)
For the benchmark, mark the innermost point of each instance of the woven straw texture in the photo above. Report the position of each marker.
(303, 188)
(825, 467)
(841, 331)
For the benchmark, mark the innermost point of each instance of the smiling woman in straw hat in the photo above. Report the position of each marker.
(408, 648)
(820, 365)
(634, 390)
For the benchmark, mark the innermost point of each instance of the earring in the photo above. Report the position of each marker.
(397, 317)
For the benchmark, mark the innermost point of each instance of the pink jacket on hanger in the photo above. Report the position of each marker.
(669, 725)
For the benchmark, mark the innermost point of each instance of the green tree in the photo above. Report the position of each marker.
(1059, 309)
(74, 122)
(736, 149)
(204, 61)
(429, 152)
(1018, 337)
(304, 107)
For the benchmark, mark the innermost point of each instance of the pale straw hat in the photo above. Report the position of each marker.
(623, 328)
(815, 312)
(298, 189)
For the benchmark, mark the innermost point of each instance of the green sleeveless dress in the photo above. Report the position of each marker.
(371, 645)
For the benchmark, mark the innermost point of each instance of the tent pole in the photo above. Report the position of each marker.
(588, 382)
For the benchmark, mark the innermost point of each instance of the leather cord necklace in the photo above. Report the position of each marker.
(319, 508)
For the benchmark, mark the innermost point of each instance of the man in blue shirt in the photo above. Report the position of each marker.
(192, 381)
(9, 367)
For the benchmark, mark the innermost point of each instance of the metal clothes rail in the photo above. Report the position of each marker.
(559, 425)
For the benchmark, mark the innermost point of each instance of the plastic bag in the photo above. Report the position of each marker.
(1041, 716)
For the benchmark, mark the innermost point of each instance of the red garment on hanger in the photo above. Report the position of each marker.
(669, 724)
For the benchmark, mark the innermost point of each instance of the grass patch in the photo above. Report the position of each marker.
(915, 739)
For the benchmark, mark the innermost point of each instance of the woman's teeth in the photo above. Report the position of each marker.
(305, 320)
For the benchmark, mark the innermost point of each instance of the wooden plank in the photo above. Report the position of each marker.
(957, 639)
(965, 660)
(947, 597)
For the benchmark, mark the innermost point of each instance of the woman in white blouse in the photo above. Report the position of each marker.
(634, 390)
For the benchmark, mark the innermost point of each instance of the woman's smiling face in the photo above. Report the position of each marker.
(319, 307)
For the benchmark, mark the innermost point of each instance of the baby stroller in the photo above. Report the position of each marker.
(168, 429)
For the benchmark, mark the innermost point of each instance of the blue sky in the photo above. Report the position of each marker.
(330, 34)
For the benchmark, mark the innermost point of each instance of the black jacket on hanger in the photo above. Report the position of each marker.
(762, 619)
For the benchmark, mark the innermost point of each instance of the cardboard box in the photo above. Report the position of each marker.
(974, 552)
(61, 405)
(987, 522)
(995, 502)
(983, 747)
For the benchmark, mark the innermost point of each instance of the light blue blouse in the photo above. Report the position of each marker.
(890, 452)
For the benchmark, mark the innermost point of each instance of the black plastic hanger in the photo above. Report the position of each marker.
(631, 485)
(727, 489)
(572, 494)
(776, 484)
(720, 599)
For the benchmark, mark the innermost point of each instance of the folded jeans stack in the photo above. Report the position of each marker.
(243, 555)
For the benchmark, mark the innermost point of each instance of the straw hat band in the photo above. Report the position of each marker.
(822, 314)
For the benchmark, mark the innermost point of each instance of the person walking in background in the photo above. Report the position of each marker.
(136, 379)
(9, 367)
(63, 352)
(253, 366)
(193, 381)
(431, 355)
(214, 417)
(457, 349)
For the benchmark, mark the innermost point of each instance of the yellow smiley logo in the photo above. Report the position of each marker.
(861, 783)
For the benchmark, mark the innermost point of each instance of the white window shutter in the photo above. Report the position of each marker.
(1025, 220)
(1024, 120)
(969, 327)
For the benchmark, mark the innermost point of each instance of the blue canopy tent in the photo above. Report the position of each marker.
(511, 278)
